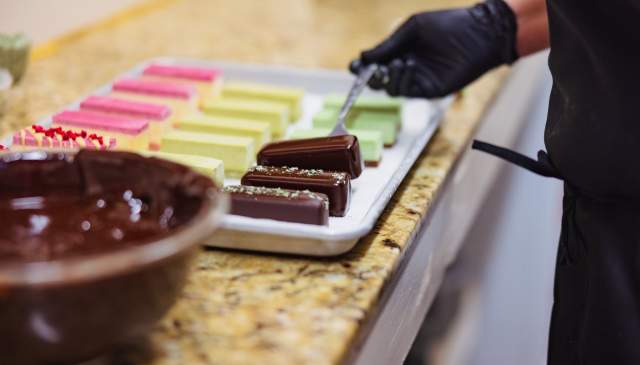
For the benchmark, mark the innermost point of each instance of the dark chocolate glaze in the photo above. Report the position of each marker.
(55, 205)
(335, 185)
(279, 204)
(336, 153)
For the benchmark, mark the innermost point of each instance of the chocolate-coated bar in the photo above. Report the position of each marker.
(279, 204)
(337, 153)
(335, 185)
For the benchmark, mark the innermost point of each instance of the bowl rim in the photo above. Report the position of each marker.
(126, 259)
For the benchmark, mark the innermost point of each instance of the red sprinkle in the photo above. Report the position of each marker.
(65, 134)
(2, 147)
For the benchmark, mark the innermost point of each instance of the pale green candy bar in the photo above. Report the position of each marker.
(292, 97)
(370, 141)
(377, 104)
(196, 122)
(276, 114)
(237, 153)
(14, 54)
(373, 103)
(210, 167)
(381, 122)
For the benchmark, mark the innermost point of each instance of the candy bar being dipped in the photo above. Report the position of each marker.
(335, 185)
(279, 204)
(335, 153)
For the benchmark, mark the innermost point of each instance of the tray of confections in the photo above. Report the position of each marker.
(261, 132)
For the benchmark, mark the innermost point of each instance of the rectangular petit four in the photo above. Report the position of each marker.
(392, 107)
(371, 144)
(59, 138)
(158, 115)
(206, 80)
(181, 99)
(382, 123)
(292, 97)
(131, 133)
(237, 153)
(198, 122)
(338, 153)
(335, 185)
(279, 204)
(211, 167)
(277, 115)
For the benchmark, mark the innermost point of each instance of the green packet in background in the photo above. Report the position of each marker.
(14, 54)
(5, 84)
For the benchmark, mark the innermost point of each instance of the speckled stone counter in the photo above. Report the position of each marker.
(244, 308)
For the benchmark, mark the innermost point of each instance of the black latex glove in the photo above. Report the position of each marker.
(436, 53)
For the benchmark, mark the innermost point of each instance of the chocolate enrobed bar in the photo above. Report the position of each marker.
(336, 153)
(279, 204)
(335, 185)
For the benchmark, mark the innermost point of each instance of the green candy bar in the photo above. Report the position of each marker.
(14, 54)
(381, 122)
(276, 114)
(371, 145)
(376, 104)
(292, 97)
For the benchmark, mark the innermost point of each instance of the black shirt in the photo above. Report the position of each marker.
(593, 127)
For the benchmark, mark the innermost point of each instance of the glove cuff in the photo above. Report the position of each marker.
(499, 15)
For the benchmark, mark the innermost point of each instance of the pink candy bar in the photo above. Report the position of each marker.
(105, 104)
(91, 120)
(183, 72)
(155, 88)
(26, 137)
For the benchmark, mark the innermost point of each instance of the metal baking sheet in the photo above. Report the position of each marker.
(370, 192)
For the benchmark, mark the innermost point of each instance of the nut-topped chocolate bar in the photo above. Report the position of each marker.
(335, 185)
(300, 206)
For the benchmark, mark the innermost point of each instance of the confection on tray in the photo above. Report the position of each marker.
(260, 132)
(337, 153)
(279, 204)
(37, 136)
(158, 115)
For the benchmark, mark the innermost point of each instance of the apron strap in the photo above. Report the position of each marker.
(542, 166)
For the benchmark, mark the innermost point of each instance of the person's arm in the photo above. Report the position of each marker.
(436, 53)
(533, 25)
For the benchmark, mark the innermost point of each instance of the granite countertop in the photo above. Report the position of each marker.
(243, 308)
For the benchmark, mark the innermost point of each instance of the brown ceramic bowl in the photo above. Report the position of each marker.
(74, 308)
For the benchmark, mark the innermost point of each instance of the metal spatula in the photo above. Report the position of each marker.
(366, 73)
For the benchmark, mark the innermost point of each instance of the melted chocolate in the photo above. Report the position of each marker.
(55, 205)
(279, 204)
(335, 185)
(337, 153)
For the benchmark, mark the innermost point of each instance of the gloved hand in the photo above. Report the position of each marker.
(436, 53)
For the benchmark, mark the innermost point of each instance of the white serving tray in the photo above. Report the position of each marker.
(370, 192)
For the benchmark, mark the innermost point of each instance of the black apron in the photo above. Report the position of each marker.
(593, 139)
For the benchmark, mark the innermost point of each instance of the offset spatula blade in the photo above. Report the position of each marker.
(366, 73)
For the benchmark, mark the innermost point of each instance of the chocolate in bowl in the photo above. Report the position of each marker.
(94, 249)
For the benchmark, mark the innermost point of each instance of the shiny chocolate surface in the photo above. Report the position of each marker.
(335, 185)
(337, 153)
(279, 204)
(58, 205)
